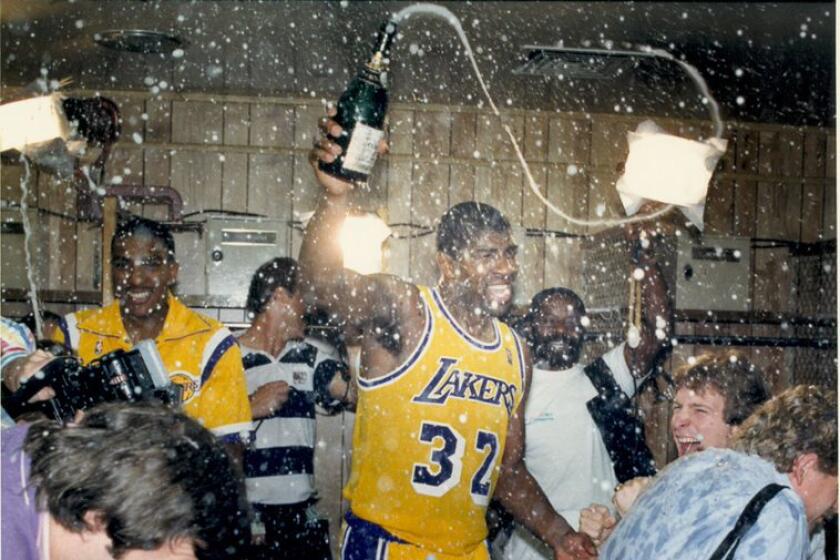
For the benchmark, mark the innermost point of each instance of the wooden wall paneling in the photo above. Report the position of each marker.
(770, 360)
(57, 195)
(61, 262)
(812, 210)
(463, 134)
(11, 175)
(792, 156)
(780, 153)
(814, 153)
(236, 118)
(829, 219)
(157, 172)
(746, 150)
(305, 195)
(432, 131)
(774, 281)
(563, 264)
(604, 203)
(693, 130)
(535, 142)
(125, 166)
(571, 193)
(719, 212)
(562, 255)
(728, 161)
(235, 182)
(745, 198)
(272, 124)
(429, 200)
(609, 141)
(570, 140)
(488, 135)
(197, 175)
(461, 183)
(306, 124)
(531, 277)
(401, 131)
(374, 198)
(831, 157)
(483, 189)
(504, 150)
(132, 108)
(158, 120)
(197, 122)
(270, 188)
(506, 183)
(778, 210)
(397, 255)
(88, 256)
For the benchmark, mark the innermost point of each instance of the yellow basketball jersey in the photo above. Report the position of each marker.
(429, 436)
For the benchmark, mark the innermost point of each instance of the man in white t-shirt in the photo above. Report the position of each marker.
(581, 435)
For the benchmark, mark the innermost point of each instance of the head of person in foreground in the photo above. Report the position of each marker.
(136, 481)
(797, 432)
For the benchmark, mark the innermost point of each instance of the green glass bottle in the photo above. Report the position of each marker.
(361, 113)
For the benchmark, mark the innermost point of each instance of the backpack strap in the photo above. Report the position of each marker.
(726, 549)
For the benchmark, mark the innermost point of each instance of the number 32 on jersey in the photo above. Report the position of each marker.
(446, 467)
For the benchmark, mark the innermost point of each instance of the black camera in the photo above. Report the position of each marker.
(129, 376)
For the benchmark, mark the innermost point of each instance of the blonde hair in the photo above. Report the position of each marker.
(802, 419)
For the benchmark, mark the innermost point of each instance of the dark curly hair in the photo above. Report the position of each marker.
(738, 380)
(281, 272)
(463, 222)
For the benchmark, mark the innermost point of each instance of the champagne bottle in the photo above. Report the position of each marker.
(361, 113)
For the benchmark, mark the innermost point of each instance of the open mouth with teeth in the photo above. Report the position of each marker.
(499, 295)
(138, 297)
(688, 444)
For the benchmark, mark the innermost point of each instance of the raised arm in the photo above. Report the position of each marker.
(657, 320)
(353, 297)
(383, 309)
(520, 494)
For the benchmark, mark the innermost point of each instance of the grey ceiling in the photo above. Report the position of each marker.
(770, 62)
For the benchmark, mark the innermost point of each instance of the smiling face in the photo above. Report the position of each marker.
(697, 421)
(143, 270)
(557, 333)
(485, 271)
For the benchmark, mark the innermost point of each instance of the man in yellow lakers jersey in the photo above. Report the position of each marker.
(439, 425)
(199, 353)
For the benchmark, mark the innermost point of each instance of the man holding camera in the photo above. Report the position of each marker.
(199, 353)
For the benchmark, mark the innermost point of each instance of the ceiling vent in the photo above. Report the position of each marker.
(579, 63)
(138, 41)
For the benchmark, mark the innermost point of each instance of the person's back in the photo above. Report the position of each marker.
(697, 500)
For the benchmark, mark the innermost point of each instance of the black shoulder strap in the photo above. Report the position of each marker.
(726, 550)
(621, 430)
